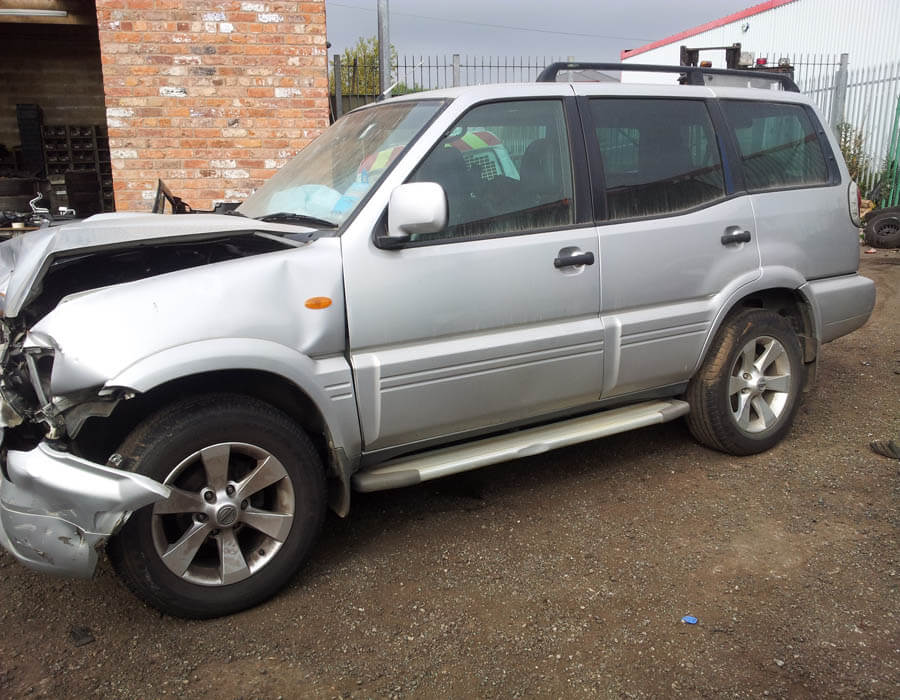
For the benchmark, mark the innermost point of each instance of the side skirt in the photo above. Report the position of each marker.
(408, 471)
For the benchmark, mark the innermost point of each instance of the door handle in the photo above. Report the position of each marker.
(736, 237)
(572, 260)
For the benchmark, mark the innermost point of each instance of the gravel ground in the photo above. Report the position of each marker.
(565, 574)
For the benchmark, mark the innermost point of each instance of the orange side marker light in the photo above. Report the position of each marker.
(317, 303)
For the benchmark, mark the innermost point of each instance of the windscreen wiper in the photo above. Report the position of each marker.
(287, 217)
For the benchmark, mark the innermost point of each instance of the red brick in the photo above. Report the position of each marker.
(178, 138)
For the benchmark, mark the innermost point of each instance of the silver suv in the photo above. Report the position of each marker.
(439, 282)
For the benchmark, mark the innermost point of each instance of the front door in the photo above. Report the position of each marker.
(486, 322)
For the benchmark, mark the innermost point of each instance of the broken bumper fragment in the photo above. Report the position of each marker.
(57, 509)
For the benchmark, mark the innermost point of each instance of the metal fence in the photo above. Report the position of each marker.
(888, 194)
(815, 75)
(359, 80)
(863, 98)
(872, 95)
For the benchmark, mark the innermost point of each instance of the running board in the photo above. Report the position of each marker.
(408, 471)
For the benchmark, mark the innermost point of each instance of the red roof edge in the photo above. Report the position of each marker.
(749, 12)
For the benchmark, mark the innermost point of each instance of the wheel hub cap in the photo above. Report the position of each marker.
(226, 515)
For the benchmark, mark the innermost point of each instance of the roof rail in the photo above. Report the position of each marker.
(692, 75)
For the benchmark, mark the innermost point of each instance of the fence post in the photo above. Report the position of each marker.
(456, 70)
(338, 88)
(384, 48)
(892, 198)
(839, 100)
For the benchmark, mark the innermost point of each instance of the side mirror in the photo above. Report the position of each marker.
(416, 207)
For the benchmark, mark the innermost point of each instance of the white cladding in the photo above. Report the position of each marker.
(868, 30)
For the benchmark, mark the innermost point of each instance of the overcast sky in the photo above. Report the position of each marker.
(588, 30)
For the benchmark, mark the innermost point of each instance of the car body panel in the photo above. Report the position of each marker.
(661, 282)
(23, 259)
(199, 320)
(807, 230)
(256, 298)
(841, 304)
(472, 347)
(56, 509)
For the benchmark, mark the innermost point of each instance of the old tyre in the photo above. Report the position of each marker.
(248, 500)
(883, 229)
(744, 397)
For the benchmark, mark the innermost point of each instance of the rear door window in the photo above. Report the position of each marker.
(778, 144)
(659, 156)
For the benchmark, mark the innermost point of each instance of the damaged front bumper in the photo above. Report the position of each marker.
(56, 509)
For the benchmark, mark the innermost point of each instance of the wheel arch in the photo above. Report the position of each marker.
(789, 299)
(100, 436)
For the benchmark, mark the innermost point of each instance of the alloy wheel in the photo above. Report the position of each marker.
(760, 384)
(231, 508)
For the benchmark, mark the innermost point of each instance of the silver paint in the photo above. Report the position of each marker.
(57, 509)
(238, 314)
(24, 259)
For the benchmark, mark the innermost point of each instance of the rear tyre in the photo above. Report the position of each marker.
(883, 229)
(247, 503)
(745, 395)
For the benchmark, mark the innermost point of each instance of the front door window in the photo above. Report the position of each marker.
(505, 168)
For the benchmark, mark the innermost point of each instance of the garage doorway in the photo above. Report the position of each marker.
(53, 133)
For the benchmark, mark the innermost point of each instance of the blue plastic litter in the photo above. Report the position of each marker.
(689, 620)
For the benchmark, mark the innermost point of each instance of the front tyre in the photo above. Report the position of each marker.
(247, 502)
(744, 397)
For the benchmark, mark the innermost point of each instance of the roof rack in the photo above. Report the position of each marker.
(691, 75)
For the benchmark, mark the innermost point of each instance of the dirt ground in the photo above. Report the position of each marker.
(561, 575)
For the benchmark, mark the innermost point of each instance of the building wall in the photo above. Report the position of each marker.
(54, 66)
(865, 29)
(210, 97)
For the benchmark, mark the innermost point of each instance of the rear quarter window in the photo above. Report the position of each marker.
(778, 144)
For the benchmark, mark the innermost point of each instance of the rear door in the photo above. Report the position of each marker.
(677, 233)
(484, 323)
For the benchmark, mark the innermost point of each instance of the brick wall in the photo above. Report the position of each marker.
(56, 67)
(211, 97)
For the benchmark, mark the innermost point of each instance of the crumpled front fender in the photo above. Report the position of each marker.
(57, 509)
